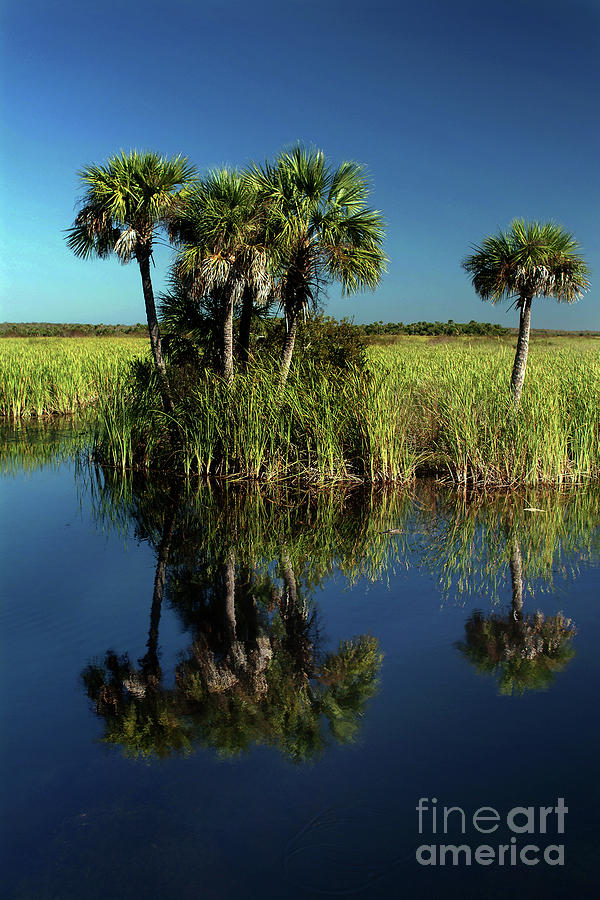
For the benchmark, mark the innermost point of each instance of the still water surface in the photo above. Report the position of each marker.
(213, 693)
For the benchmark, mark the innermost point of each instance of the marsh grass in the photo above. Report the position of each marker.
(326, 426)
(420, 408)
(446, 410)
(47, 376)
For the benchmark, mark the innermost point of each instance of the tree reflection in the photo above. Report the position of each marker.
(255, 672)
(240, 566)
(523, 652)
(138, 712)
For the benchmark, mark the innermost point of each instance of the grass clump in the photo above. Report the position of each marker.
(322, 427)
(416, 410)
(356, 413)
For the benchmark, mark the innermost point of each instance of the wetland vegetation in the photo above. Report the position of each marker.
(229, 390)
(411, 408)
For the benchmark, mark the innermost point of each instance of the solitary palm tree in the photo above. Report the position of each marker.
(124, 204)
(219, 229)
(529, 260)
(320, 230)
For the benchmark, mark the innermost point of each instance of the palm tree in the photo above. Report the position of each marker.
(219, 229)
(319, 230)
(124, 204)
(529, 260)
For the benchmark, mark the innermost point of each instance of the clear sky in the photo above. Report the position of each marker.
(467, 114)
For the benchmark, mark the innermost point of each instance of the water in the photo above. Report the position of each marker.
(222, 694)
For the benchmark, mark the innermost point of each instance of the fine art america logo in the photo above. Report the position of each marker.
(512, 831)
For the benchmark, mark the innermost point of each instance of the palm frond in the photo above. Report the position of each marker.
(530, 259)
(124, 201)
(319, 224)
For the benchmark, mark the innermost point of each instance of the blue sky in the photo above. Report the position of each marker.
(467, 114)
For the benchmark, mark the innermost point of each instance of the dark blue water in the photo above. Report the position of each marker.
(296, 813)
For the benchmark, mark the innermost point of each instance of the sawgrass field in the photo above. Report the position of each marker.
(42, 376)
(425, 405)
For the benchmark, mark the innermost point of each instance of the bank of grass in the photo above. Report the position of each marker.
(326, 426)
(430, 409)
(46, 376)
(425, 405)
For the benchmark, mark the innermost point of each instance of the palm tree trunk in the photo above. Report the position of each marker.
(227, 360)
(520, 364)
(229, 604)
(245, 323)
(150, 663)
(516, 577)
(288, 347)
(154, 332)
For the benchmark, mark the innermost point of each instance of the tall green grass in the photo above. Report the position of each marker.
(325, 427)
(422, 407)
(46, 376)
(425, 409)
(471, 431)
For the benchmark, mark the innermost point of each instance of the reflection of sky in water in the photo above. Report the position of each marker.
(83, 821)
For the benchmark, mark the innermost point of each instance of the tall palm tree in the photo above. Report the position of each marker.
(220, 232)
(528, 260)
(126, 201)
(320, 230)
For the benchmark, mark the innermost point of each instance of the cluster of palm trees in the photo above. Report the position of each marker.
(279, 232)
(273, 232)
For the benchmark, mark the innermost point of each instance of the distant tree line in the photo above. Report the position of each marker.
(68, 329)
(432, 328)
(318, 323)
(326, 324)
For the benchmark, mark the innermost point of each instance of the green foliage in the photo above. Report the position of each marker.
(530, 259)
(324, 427)
(322, 228)
(69, 329)
(218, 228)
(449, 328)
(124, 202)
(321, 342)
